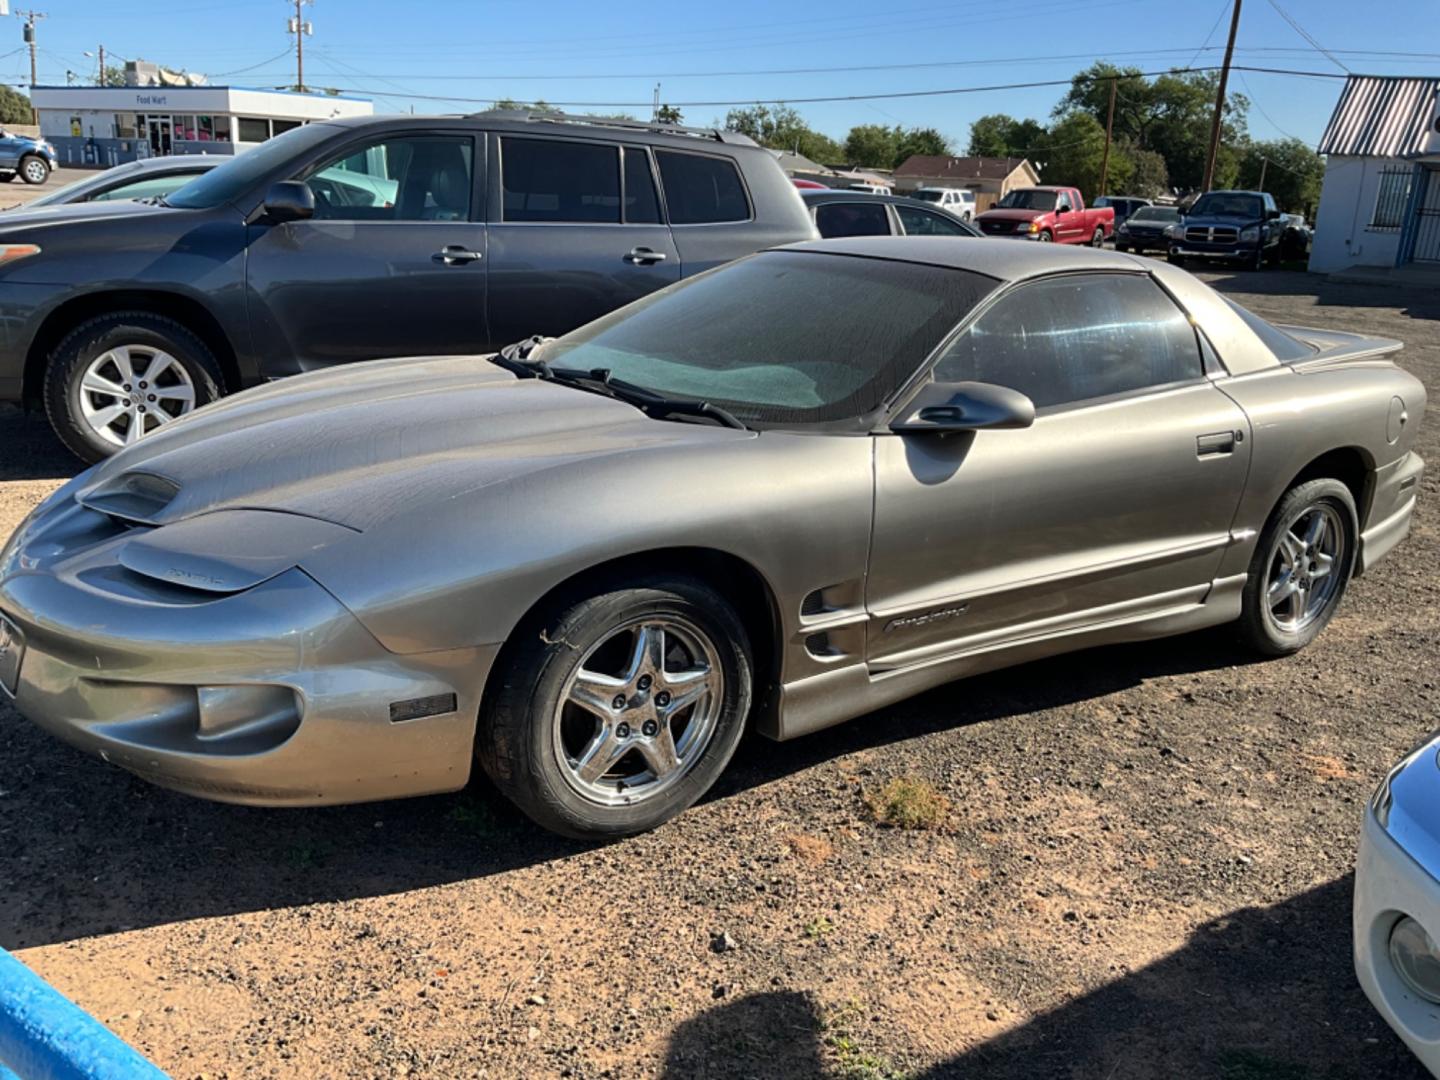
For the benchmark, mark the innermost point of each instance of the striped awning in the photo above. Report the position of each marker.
(1382, 116)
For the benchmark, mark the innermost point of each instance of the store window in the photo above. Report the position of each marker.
(185, 128)
(253, 129)
(279, 126)
(222, 128)
(125, 125)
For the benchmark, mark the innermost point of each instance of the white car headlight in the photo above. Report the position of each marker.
(1250, 234)
(1124, 227)
(1416, 958)
(1175, 232)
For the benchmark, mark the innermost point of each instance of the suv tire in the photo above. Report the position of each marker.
(550, 711)
(98, 382)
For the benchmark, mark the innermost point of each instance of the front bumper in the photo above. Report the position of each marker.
(273, 696)
(1180, 248)
(1395, 875)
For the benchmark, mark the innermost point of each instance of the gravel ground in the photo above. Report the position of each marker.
(1146, 872)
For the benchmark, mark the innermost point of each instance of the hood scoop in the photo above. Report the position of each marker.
(228, 551)
(138, 497)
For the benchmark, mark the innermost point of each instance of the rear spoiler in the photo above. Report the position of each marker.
(1334, 348)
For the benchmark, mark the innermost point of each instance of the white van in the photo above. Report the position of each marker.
(958, 201)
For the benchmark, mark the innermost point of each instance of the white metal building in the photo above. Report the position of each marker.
(107, 125)
(1380, 205)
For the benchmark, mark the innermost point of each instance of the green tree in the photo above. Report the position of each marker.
(1000, 135)
(540, 106)
(1148, 177)
(668, 114)
(924, 141)
(1075, 153)
(1292, 172)
(15, 107)
(872, 146)
(782, 128)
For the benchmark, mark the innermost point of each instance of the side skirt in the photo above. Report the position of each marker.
(833, 697)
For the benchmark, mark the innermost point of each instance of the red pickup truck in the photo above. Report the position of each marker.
(1048, 214)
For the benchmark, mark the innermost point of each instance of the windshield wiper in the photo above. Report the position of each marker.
(648, 401)
(515, 358)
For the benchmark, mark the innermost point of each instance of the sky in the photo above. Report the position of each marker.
(460, 55)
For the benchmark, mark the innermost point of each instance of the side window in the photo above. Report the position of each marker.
(923, 223)
(701, 190)
(560, 181)
(1062, 202)
(642, 205)
(426, 178)
(1077, 337)
(852, 219)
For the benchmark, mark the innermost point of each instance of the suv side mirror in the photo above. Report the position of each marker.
(1271, 215)
(289, 200)
(945, 407)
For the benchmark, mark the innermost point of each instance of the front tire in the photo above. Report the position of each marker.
(117, 378)
(1302, 564)
(34, 170)
(1045, 237)
(616, 711)
(1123, 248)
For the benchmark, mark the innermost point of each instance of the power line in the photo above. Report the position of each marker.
(1224, 7)
(889, 96)
(1306, 35)
(252, 67)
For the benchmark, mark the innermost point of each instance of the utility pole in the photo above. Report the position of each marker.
(301, 29)
(102, 65)
(1109, 127)
(1220, 99)
(30, 18)
(655, 107)
(1264, 164)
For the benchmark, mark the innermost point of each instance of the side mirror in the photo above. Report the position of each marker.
(942, 408)
(289, 200)
(1271, 215)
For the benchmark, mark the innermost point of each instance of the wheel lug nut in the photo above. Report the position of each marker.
(662, 698)
(127, 387)
(619, 702)
(649, 728)
(645, 682)
(142, 408)
(144, 386)
(623, 731)
(151, 397)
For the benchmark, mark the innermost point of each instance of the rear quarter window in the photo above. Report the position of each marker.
(702, 190)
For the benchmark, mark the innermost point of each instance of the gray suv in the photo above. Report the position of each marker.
(354, 239)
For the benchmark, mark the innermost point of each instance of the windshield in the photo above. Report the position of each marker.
(1166, 214)
(1228, 204)
(782, 337)
(231, 180)
(1028, 200)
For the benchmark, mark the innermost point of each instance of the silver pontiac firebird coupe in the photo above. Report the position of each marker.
(794, 489)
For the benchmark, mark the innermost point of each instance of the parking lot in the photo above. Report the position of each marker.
(1145, 873)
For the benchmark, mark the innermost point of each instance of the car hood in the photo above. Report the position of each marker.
(1011, 215)
(370, 443)
(65, 213)
(1230, 220)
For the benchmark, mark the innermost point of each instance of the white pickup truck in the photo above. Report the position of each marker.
(958, 201)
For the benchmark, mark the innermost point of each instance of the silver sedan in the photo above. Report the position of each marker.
(782, 494)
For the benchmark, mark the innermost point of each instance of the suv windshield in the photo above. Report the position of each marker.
(780, 338)
(1156, 213)
(229, 181)
(1028, 200)
(1228, 204)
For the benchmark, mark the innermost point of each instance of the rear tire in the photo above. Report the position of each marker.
(1097, 238)
(95, 422)
(34, 169)
(1299, 572)
(554, 740)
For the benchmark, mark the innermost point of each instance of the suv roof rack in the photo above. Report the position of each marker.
(733, 138)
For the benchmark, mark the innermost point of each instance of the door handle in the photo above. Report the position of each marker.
(643, 256)
(456, 255)
(1214, 444)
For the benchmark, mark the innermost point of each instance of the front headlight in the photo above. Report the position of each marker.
(1032, 227)
(1174, 232)
(1250, 234)
(1123, 227)
(1416, 958)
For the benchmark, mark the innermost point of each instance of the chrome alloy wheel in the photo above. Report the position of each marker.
(36, 171)
(1304, 576)
(130, 390)
(638, 711)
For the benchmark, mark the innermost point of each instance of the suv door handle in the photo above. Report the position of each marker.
(457, 255)
(1219, 442)
(643, 256)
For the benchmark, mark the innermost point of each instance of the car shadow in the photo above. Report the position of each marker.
(90, 849)
(1416, 302)
(1249, 996)
(30, 449)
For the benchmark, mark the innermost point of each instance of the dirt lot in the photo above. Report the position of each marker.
(1146, 874)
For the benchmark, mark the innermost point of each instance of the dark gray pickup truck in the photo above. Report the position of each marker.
(1235, 226)
(356, 239)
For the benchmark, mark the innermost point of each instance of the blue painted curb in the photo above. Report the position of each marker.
(45, 1036)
